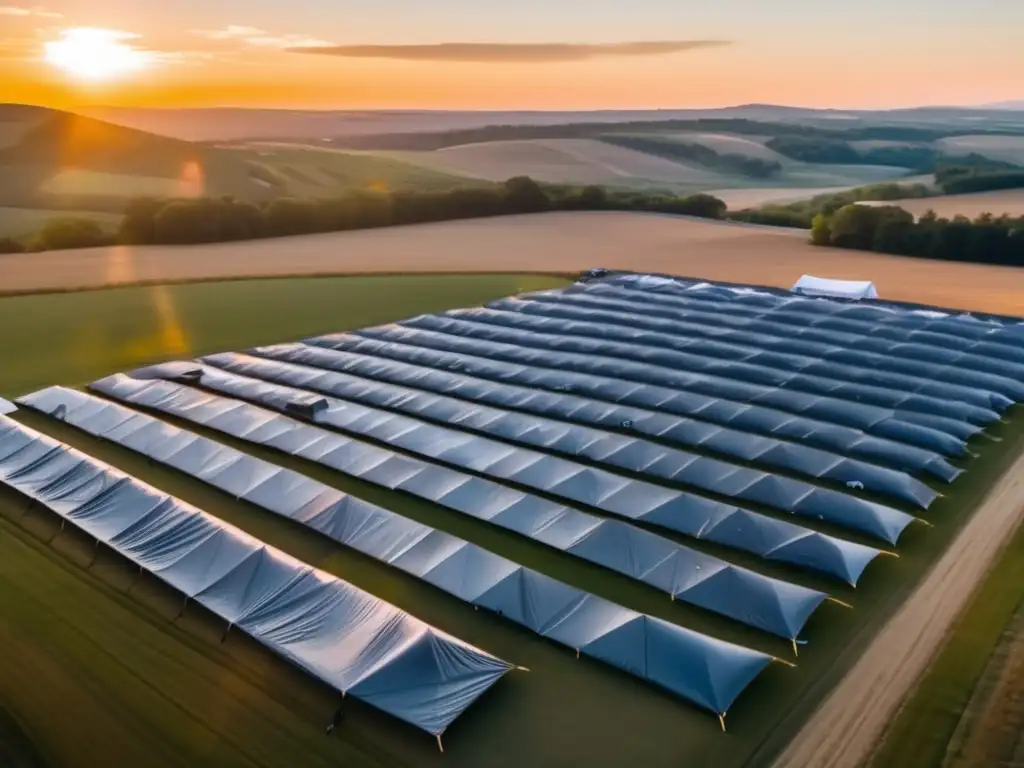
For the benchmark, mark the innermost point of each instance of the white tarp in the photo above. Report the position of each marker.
(808, 285)
(6, 406)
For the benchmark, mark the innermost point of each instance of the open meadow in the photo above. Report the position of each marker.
(556, 243)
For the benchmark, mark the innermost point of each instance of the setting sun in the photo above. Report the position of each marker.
(88, 53)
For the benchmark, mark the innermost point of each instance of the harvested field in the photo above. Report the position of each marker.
(1010, 202)
(548, 243)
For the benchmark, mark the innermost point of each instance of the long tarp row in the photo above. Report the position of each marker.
(567, 480)
(349, 639)
(568, 408)
(689, 576)
(939, 329)
(912, 358)
(852, 400)
(639, 324)
(747, 432)
(489, 501)
(572, 441)
(448, 335)
(700, 669)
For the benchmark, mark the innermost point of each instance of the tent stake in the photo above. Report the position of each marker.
(840, 602)
(577, 653)
(789, 664)
(887, 553)
(721, 719)
(95, 552)
(225, 635)
(439, 744)
(184, 605)
(796, 652)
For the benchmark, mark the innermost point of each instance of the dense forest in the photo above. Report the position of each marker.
(211, 220)
(890, 229)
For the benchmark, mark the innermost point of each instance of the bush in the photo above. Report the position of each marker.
(774, 216)
(10, 245)
(70, 232)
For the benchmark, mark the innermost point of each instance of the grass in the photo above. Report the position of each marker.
(74, 338)
(79, 183)
(20, 222)
(136, 688)
(318, 172)
(927, 723)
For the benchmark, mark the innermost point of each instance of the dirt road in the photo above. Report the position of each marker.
(560, 242)
(843, 732)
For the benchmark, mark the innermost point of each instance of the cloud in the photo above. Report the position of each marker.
(508, 52)
(34, 13)
(261, 38)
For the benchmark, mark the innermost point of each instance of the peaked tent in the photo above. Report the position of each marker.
(344, 636)
(808, 285)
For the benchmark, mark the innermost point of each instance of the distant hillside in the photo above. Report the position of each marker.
(63, 155)
(59, 160)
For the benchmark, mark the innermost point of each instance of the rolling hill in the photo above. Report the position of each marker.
(55, 161)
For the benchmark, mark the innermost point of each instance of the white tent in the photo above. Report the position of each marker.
(6, 406)
(808, 285)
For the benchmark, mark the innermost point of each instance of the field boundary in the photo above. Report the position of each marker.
(272, 276)
(844, 730)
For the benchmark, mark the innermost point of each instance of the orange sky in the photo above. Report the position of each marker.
(232, 53)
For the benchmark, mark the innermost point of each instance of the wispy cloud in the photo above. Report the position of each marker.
(33, 13)
(261, 38)
(508, 52)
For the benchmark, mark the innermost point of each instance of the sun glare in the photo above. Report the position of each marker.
(94, 54)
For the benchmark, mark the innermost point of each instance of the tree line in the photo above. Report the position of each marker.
(729, 162)
(211, 220)
(890, 229)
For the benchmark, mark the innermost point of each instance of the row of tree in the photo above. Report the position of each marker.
(671, 149)
(890, 229)
(210, 220)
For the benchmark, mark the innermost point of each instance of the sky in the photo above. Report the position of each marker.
(510, 54)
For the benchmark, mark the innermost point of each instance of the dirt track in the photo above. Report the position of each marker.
(843, 732)
(562, 242)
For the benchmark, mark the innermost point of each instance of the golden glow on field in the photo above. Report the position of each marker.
(93, 54)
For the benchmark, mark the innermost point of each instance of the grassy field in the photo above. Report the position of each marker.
(136, 688)
(81, 183)
(1008, 148)
(318, 172)
(924, 732)
(74, 338)
(19, 222)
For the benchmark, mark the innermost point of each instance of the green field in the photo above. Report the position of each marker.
(106, 677)
(927, 724)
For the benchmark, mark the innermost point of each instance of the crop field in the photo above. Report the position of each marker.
(411, 416)
(566, 161)
(545, 243)
(1009, 202)
(592, 161)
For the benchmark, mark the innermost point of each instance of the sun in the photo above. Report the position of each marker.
(92, 54)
